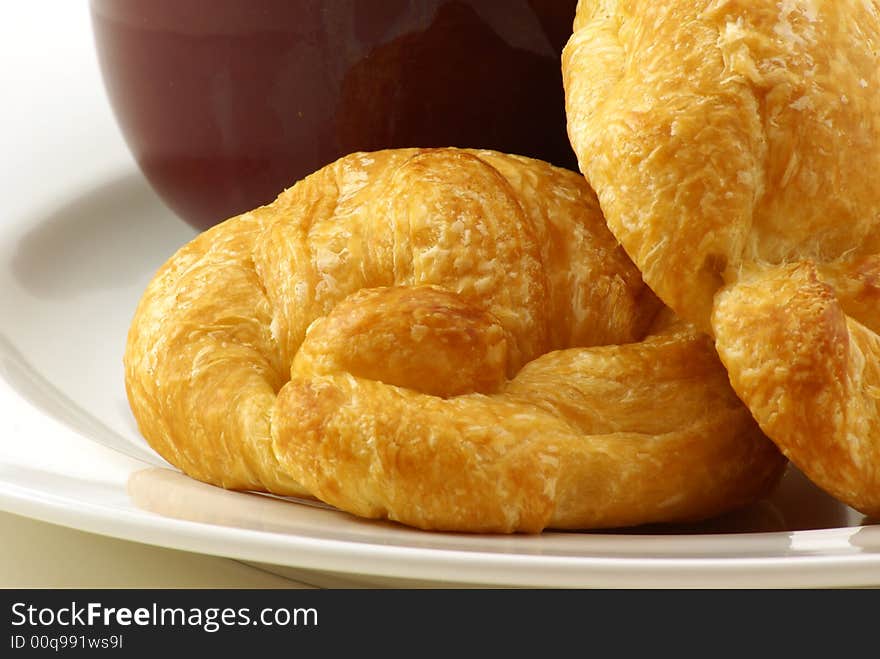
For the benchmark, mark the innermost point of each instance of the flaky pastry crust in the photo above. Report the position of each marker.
(735, 148)
(447, 338)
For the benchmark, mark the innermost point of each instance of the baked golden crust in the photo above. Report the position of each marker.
(734, 146)
(411, 334)
(813, 384)
(579, 438)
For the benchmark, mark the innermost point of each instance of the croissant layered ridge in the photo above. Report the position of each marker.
(447, 338)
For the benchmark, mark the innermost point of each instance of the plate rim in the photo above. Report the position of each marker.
(446, 565)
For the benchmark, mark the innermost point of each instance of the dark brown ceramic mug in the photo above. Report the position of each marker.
(224, 103)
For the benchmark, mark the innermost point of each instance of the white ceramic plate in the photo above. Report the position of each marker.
(81, 234)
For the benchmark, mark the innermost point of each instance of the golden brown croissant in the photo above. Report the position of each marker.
(735, 150)
(412, 334)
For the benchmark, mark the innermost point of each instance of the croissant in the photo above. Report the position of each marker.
(735, 149)
(446, 338)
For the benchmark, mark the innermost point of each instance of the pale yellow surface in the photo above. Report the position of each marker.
(447, 338)
(735, 148)
(36, 554)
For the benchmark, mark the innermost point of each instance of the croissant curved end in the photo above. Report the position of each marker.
(810, 374)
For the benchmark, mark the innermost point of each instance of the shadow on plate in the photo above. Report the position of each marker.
(99, 227)
(796, 505)
(38, 390)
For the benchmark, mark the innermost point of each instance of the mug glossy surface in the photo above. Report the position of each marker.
(224, 103)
